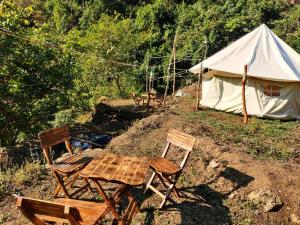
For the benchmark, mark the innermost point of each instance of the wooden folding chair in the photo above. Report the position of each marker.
(65, 169)
(167, 171)
(139, 101)
(65, 211)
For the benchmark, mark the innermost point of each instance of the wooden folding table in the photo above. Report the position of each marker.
(125, 170)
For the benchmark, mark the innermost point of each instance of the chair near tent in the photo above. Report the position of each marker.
(139, 101)
(154, 100)
(167, 171)
(65, 169)
(65, 211)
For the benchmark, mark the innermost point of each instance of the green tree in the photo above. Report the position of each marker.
(34, 78)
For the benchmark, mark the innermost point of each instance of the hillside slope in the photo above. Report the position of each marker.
(221, 173)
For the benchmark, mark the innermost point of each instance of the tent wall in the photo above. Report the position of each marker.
(225, 93)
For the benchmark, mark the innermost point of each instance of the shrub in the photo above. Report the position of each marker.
(65, 117)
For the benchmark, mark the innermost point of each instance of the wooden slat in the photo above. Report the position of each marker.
(164, 166)
(88, 212)
(130, 210)
(123, 169)
(180, 139)
(71, 163)
(53, 136)
(68, 211)
(156, 191)
(42, 207)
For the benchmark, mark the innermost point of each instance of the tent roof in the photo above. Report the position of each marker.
(267, 57)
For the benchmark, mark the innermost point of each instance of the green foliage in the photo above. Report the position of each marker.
(64, 117)
(109, 50)
(68, 53)
(31, 84)
(288, 28)
(27, 174)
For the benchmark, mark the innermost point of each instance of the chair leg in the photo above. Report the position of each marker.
(161, 178)
(56, 191)
(89, 185)
(149, 182)
(130, 196)
(177, 193)
(61, 184)
(175, 190)
(166, 196)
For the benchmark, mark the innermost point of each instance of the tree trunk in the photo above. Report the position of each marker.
(117, 80)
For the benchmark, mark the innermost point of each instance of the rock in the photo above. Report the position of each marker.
(179, 93)
(183, 93)
(268, 200)
(232, 195)
(213, 164)
(294, 219)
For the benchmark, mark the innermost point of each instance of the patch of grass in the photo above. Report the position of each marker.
(246, 221)
(4, 217)
(17, 176)
(261, 137)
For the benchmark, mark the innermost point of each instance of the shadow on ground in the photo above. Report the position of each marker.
(202, 205)
(115, 119)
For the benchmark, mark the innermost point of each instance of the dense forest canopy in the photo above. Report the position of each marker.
(60, 56)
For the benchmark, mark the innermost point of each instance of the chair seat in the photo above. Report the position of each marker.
(71, 163)
(164, 166)
(88, 212)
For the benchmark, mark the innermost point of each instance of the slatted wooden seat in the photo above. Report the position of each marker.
(62, 211)
(70, 163)
(165, 166)
(167, 171)
(65, 169)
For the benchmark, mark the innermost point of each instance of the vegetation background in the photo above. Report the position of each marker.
(58, 57)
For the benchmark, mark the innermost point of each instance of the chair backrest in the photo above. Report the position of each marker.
(135, 98)
(38, 211)
(54, 136)
(182, 140)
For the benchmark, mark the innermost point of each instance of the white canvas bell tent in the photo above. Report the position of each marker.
(273, 78)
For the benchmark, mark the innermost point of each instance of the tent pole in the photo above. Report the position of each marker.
(147, 66)
(198, 86)
(174, 65)
(168, 72)
(243, 94)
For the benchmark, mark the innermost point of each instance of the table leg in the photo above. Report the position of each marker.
(108, 203)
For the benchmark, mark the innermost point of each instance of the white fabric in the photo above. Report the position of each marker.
(265, 54)
(225, 93)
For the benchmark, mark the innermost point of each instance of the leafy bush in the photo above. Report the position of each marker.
(65, 117)
(24, 175)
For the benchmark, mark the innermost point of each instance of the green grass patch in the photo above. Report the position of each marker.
(27, 174)
(262, 138)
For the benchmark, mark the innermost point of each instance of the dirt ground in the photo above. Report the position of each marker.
(215, 195)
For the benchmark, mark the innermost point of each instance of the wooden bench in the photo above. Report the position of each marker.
(61, 211)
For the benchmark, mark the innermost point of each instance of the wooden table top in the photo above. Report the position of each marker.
(117, 168)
